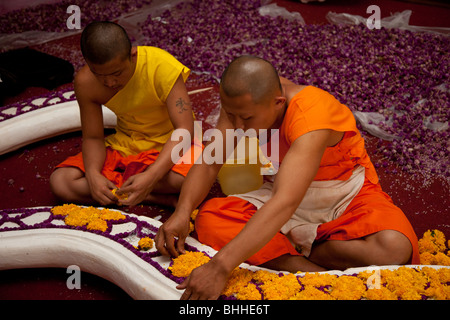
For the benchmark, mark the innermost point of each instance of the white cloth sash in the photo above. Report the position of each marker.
(324, 201)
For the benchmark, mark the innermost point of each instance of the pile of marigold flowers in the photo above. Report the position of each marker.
(92, 218)
(95, 219)
(433, 248)
(185, 263)
(404, 283)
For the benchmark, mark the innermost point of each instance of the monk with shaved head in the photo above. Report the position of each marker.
(251, 75)
(324, 208)
(145, 87)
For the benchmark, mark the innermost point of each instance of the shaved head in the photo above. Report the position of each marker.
(103, 41)
(251, 75)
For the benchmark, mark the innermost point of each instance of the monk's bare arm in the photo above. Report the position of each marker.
(195, 188)
(91, 124)
(180, 113)
(93, 146)
(298, 170)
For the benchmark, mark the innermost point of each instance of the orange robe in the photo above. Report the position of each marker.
(118, 168)
(219, 220)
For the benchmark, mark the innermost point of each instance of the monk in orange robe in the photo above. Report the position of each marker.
(325, 200)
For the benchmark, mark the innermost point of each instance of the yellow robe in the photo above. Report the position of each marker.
(143, 121)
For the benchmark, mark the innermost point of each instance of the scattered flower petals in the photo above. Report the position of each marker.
(402, 75)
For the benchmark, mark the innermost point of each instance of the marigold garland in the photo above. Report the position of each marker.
(403, 283)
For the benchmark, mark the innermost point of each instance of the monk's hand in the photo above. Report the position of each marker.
(177, 226)
(101, 188)
(205, 282)
(137, 188)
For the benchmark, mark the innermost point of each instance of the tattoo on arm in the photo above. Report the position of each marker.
(181, 105)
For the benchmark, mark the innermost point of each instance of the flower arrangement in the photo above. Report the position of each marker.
(432, 247)
(185, 263)
(93, 218)
(402, 283)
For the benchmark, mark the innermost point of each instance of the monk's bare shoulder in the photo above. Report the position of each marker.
(290, 90)
(89, 88)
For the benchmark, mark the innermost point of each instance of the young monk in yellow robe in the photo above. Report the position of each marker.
(325, 199)
(145, 88)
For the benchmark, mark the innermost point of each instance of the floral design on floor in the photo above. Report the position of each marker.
(136, 233)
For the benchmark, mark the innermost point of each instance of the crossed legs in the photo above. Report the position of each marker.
(70, 185)
(386, 247)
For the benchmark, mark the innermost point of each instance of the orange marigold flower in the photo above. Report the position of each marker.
(238, 279)
(185, 263)
(311, 293)
(79, 218)
(249, 292)
(107, 214)
(97, 224)
(442, 259)
(65, 209)
(427, 258)
(347, 288)
(281, 288)
(407, 283)
(438, 292)
(194, 214)
(381, 293)
(93, 218)
(444, 275)
(145, 243)
(317, 280)
(262, 276)
(120, 196)
(433, 241)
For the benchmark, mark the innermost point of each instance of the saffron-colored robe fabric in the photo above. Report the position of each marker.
(220, 219)
(118, 168)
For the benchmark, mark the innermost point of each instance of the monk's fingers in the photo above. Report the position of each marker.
(165, 243)
(131, 200)
(186, 295)
(170, 245)
(160, 243)
(104, 197)
(180, 245)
